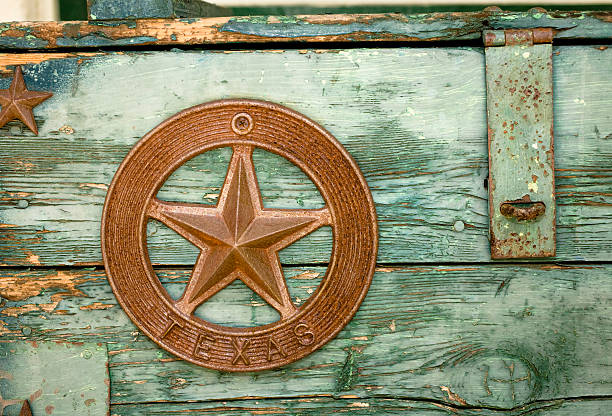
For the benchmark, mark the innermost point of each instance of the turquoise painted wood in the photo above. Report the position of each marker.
(448, 334)
(432, 27)
(125, 9)
(327, 406)
(424, 156)
(443, 330)
(57, 378)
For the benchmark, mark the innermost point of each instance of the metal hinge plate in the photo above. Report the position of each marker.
(520, 128)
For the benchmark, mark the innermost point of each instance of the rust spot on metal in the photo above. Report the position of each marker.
(542, 35)
(519, 37)
(522, 209)
(493, 38)
(518, 246)
(238, 237)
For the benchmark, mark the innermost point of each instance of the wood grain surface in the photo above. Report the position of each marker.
(443, 330)
(143, 9)
(348, 28)
(356, 406)
(56, 378)
(413, 119)
(481, 336)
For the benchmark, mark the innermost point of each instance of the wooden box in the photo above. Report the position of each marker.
(443, 330)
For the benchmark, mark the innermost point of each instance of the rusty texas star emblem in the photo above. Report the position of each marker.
(239, 238)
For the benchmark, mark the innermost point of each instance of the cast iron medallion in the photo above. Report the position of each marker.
(239, 238)
(17, 102)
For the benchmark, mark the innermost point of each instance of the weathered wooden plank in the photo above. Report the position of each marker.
(485, 336)
(164, 9)
(314, 28)
(417, 132)
(355, 406)
(56, 378)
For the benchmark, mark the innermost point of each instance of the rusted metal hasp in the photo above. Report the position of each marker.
(521, 157)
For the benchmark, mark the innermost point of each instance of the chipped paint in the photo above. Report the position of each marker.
(452, 396)
(9, 61)
(66, 129)
(306, 276)
(315, 28)
(62, 227)
(96, 306)
(102, 186)
(4, 331)
(33, 259)
(18, 310)
(21, 286)
(436, 312)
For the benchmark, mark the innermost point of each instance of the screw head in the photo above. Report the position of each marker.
(242, 123)
(459, 226)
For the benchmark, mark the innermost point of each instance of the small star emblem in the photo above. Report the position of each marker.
(238, 239)
(17, 102)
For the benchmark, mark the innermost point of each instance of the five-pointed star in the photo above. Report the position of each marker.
(17, 102)
(238, 238)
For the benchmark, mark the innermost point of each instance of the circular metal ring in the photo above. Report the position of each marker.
(249, 247)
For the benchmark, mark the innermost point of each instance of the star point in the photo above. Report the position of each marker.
(238, 238)
(25, 409)
(17, 102)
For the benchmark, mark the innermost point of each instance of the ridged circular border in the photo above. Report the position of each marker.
(275, 129)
